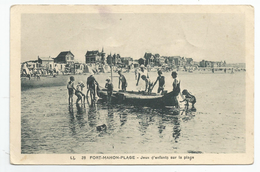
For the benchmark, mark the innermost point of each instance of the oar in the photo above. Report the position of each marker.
(152, 88)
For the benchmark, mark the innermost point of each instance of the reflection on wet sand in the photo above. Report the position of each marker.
(72, 121)
(145, 117)
(92, 116)
(176, 129)
(81, 111)
(123, 118)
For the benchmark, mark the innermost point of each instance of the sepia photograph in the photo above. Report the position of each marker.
(132, 84)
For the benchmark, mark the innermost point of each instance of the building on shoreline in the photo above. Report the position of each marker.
(189, 62)
(64, 57)
(63, 60)
(46, 62)
(157, 60)
(205, 63)
(149, 59)
(141, 61)
(95, 61)
(95, 56)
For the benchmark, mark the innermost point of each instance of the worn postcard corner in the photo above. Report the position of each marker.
(132, 84)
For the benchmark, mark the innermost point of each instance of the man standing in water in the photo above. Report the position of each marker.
(91, 81)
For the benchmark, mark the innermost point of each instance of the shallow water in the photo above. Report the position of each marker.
(218, 126)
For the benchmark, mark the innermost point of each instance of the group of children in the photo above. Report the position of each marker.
(78, 91)
(91, 82)
(149, 85)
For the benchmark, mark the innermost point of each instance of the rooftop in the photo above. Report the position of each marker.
(46, 58)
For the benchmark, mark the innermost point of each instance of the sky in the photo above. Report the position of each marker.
(215, 37)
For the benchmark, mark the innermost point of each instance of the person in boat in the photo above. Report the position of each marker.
(79, 93)
(148, 84)
(122, 80)
(188, 98)
(161, 80)
(176, 89)
(109, 87)
(142, 72)
(91, 86)
(71, 88)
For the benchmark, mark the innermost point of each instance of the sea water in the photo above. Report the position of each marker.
(50, 126)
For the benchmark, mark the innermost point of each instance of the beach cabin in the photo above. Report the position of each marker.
(60, 66)
(31, 64)
(65, 57)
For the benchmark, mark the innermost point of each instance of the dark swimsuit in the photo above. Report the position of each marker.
(191, 98)
(91, 82)
(109, 89)
(161, 84)
(70, 90)
(123, 80)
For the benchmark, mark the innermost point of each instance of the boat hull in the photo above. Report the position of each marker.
(139, 99)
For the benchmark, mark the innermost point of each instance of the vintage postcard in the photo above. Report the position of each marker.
(108, 84)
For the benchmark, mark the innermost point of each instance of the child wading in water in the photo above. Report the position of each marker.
(70, 87)
(148, 84)
(123, 81)
(189, 98)
(109, 87)
(161, 80)
(79, 93)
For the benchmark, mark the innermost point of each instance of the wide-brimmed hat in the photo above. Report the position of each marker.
(142, 66)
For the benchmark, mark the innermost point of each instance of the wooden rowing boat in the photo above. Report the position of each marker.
(139, 98)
